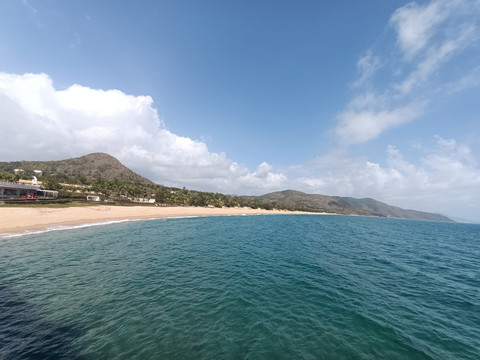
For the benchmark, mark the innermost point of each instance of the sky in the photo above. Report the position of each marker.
(368, 98)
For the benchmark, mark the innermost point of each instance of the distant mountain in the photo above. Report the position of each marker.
(90, 167)
(392, 211)
(466, 221)
(313, 202)
(345, 205)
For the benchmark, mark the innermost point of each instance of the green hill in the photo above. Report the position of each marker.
(298, 200)
(96, 166)
(345, 205)
(392, 211)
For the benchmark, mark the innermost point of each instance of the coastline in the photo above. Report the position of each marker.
(16, 221)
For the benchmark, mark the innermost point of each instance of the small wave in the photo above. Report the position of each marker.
(15, 234)
(68, 227)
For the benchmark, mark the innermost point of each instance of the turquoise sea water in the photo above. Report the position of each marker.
(246, 287)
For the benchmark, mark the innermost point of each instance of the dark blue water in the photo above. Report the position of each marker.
(251, 287)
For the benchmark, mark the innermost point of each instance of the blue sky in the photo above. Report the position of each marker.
(357, 98)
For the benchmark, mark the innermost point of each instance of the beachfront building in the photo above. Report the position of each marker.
(143, 200)
(30, 182)
(9, 190)
(93, 198)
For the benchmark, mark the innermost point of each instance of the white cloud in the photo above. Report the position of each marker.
(469, 80)
(39, 122)
(420, 27)
(358, 126)
(444, 178)
(367, 65)
(434, 58)
(349, 176)
(433, 34)
(416, 24)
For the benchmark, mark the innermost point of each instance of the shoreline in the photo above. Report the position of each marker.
(18, 221)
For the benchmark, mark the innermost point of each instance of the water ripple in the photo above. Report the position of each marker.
(263, 287)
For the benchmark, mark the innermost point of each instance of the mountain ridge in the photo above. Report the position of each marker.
(393, 211)
(347, 205)
(313, 202)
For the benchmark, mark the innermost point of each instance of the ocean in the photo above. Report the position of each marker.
(243, 287)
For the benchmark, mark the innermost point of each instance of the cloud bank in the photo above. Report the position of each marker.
(40, 122)
(443, 177)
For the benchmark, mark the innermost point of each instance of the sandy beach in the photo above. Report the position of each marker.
(18, 220)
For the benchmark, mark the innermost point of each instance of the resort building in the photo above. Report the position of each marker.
(28, 182)
(9, 190)
(93, 198)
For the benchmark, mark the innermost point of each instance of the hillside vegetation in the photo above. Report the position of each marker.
(314, 203)
(80, 170)
(378, 207)
(101, 173)
(345, 205)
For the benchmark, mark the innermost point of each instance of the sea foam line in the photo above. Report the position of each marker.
(70, 227)
(102, 223)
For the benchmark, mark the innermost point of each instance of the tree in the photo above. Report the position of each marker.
(7, 176)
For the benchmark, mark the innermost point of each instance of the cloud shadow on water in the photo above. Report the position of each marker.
(25, 334)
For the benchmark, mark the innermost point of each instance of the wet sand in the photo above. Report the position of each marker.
(18, 220)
